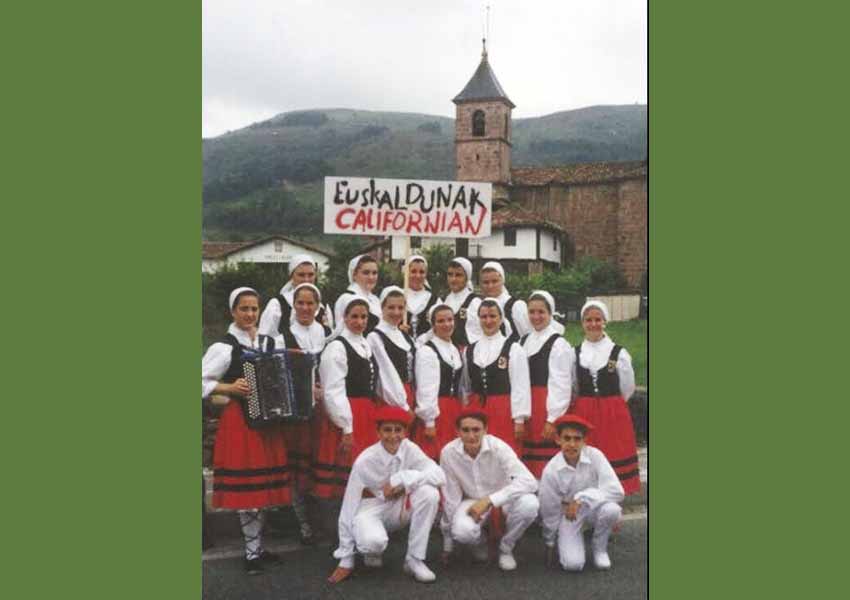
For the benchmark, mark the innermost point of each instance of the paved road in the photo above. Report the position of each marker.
(302, 575)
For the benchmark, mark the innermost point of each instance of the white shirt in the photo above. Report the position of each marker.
(486, 352)
(594, 356)
(310, 337)
(495, 472)
(408, 467)
(216, 359)
(333, 370)
(270, 319)
(473, 327)
(519, 313)
(372, 299)
(592, 481)
(428, 377)
(561, 365)
(417, 300)
(392, 387)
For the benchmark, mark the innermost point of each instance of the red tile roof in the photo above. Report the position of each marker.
(579, 173)
(516, 216)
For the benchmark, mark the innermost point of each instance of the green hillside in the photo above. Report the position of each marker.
(266, 178)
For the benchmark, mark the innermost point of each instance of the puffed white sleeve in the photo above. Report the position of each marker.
(626, 373)
(427, 385)
(519, 311)
(329, 317)
(350, 503)
(270, 319)
(473, 325)
(521, 479)
(560, 385)
(608, 487)
(214, 365)
(392, 388)
(333, 369)
(520, 384)
(550, 506)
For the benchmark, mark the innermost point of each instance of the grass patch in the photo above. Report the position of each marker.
(632, 335)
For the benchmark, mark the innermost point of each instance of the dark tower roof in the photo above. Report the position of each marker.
(483, 85)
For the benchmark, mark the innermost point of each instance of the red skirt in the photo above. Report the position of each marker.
(537, 452)
(330, 469)
(499, 420)
(298, 438)
(613, 434)
(250, 468)
(445, 424)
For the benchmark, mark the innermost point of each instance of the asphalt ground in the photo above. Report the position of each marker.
(303, 571)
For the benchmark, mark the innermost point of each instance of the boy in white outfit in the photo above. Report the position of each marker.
(484, 473)
(578, 487)
(392, 484)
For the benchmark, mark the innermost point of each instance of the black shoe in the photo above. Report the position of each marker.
(254, 566)
(269, 558)
(306, 540)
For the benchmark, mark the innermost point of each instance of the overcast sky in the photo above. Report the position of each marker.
(264, 57)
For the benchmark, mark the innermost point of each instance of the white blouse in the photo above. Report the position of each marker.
(473, 327)
(310, 337)
(594, 356)
(428, 377)
(487, 351)
(216, 359)
(333, 370)
(392, 387)
(270, 319)
(417, 300)
(519, 313)
(561, 366)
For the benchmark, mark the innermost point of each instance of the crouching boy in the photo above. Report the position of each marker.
(392, 484)
(578, 488)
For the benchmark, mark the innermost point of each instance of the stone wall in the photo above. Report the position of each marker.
(486, 158)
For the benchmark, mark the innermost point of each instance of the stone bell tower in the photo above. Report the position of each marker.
(483, 130)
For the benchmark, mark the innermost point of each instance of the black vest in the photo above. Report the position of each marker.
(508, 315)
(492, 380)
(449, 377)
(607, 381)
(371, 321)
(298, 362)
(422, 323)
(538, 365)
(402, 359)
(234, 371)
(362, 373)
(286, 316)
(459, 335)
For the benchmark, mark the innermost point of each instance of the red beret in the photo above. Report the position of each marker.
(573, 420)
(476, 412)
(394, 414)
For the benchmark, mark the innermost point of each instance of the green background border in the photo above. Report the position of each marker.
(747, 106)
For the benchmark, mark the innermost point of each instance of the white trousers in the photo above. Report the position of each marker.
(519, 515)
(376, 518)
(571, 541)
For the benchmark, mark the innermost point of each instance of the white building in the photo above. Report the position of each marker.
(274, 249)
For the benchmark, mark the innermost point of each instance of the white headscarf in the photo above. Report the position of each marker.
(294, 263)
(352, 265)
(467, 268)
(494, 266)
(307, 285)
(235, 293)
(498, 306)
(418, 257)
(550, 301)
(386, 292)
(595, 304)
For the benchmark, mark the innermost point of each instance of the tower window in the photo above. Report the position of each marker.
(478, 123)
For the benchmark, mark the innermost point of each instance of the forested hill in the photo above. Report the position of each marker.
(266, 178)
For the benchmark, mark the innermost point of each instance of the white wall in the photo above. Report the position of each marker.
(547, 250)
(494, 246)
(621, 308)
(266, 253)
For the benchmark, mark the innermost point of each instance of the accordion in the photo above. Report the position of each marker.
(281, 383)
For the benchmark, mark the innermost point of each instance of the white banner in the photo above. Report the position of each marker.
(368, 206)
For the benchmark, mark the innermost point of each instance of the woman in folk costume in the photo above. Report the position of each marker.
(394, 351)
(304, 333)
(438, 370)
(497, 370)
(605, 380)
(362, 279)
(463, 302)
(514, 311)
(550, 363)
(349, 376)
(278, 313)
(418, 295)
(250, 470)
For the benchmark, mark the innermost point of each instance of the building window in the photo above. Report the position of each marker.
(478, 123)
(415, 241)
(554, 242)
(278, 245)
(510, 236)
